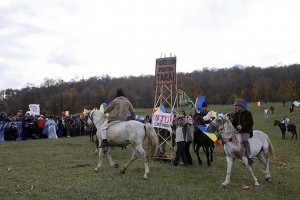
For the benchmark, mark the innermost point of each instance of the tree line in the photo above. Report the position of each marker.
(220, 86)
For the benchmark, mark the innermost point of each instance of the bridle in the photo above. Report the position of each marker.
(90, 115)
(220, 131)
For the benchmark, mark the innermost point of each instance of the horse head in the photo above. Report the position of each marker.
(95, 118)
(217, 124)
(276, 122)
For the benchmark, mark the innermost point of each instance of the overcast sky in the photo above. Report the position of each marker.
(63, 39)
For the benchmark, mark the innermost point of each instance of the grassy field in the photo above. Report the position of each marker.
(64, 169)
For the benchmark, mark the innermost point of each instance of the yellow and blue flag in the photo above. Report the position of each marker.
(186, 99)
(103, 107)
(212, 136)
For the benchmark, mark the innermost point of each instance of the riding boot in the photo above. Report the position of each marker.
(103, 143)
(248, 152)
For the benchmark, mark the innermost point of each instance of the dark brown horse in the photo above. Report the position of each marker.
(202, 140)
(291, 128)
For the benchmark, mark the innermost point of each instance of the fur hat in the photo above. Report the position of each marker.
(120, 93)
(238, 102)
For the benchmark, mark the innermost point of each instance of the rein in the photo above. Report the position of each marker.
(91, 118)
(220, 131)
(230, 139)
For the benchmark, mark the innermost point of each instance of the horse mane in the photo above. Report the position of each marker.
(229, 124)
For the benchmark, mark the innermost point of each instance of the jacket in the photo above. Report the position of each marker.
(119, 109)
(245, 119)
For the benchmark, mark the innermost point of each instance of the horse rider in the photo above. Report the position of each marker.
(204, 116)
(286, 121)
(118, 109)
(243, 122)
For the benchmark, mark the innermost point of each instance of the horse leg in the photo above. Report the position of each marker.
(245, 159)
(211, 149)
(197, 153)
(283, 134)
(229, 167)
(266, 163)
(206, 147)
(142, 152)
(133, 158)
(99, 160)
(109, 156)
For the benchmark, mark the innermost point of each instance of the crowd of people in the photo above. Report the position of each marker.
(26, 127)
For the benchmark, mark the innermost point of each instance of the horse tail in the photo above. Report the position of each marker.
(270, 148)
(152, 141)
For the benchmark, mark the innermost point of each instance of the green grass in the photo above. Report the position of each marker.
(64, 169)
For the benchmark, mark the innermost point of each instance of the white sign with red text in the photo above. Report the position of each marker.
(34, 109)
(162, 120)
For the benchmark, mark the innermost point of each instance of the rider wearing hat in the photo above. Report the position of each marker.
(243, 123)
(118, 109)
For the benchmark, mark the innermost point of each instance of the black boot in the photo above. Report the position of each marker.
(103, 143)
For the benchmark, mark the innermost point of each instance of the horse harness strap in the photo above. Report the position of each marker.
(231, 139)
(91, 117)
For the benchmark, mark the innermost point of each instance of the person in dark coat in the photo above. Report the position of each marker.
(243, 123)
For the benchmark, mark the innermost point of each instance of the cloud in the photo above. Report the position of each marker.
(59, 38)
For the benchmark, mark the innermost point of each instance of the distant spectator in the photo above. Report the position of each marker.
(266, 113)
(291, 108)
(51, 128)
(40, 125)
(272, 109)
(11, 133)
(283, 103)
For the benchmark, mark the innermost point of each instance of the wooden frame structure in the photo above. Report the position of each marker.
(166, 94)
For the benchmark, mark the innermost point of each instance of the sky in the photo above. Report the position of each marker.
(71, 40)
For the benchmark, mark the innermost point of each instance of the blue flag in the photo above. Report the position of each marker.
(199, 102)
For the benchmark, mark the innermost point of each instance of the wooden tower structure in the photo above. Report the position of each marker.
(166, 95)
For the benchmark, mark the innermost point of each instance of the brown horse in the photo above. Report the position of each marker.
(291, 128)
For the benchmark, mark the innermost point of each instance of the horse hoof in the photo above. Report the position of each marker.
(116, 165)
(122, 172)
(146, 178)
(268, 179)
(224, 186)
(96, 170)
(257, 185)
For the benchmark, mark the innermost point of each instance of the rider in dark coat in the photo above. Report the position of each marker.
(243, 123)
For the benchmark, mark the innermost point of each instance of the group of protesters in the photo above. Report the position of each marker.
(26, 127)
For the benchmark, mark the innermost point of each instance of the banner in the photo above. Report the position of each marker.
(165, 71)
(34, 109)
(65, 113)
(162, 120)
(296, 103)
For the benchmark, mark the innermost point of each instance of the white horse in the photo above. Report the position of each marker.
(124, 133)
(260, 146)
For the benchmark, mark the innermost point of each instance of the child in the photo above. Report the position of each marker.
(286, 121)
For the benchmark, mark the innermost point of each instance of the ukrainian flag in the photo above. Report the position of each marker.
(103, 107)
